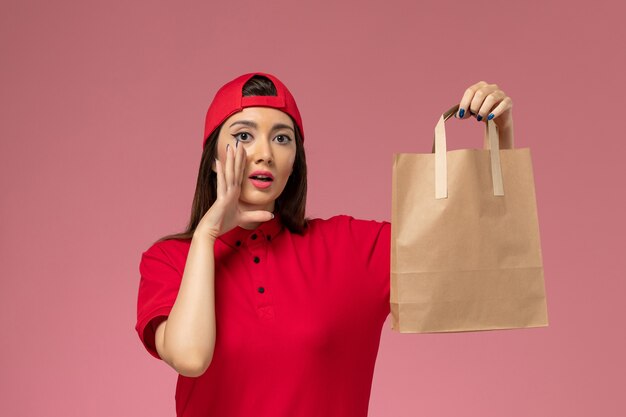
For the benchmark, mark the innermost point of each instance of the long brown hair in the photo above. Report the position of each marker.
(291, 203)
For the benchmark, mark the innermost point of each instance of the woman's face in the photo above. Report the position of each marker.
(268, 137)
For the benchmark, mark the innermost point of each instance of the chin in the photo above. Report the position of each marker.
(260, 201)
(251, 195)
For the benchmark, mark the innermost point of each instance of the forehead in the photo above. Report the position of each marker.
(262, 116)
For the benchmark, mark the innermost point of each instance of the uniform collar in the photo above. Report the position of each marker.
(267, 231)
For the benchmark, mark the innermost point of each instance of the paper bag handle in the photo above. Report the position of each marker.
(441, 161)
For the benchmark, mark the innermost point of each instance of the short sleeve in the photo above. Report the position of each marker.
(158, 287)
(372, 240)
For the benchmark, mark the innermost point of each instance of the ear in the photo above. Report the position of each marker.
(213, 167)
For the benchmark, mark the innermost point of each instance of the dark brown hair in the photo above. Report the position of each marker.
(291, 203)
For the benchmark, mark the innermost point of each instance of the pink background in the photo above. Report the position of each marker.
(102, 113)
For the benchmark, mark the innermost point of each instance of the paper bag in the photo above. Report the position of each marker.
(465, 249)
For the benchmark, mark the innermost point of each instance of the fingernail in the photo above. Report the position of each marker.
(490, 116)
(227, 145)
(272, 215)
(479, 117)
(461, 113)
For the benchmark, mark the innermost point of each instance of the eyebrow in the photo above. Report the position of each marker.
(254, 125)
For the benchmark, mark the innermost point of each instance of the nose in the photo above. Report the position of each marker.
(263, 151)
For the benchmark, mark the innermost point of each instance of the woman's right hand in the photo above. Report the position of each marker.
(225, 213)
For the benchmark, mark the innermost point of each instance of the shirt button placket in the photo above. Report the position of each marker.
(257, 246)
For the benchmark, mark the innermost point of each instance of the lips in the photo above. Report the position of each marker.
(265, 176)
(261, 179)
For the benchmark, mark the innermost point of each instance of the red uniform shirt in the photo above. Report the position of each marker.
(298, 318)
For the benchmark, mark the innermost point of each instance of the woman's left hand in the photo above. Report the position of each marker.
(485, 102)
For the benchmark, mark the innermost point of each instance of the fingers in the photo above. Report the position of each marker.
(224, 173)
(464, 105)
(480, 95)
(477, 99)
(482, 104)
(485, 102)
(220, 178)
(505, 104)
(228, 173)
(237, 165)
(256, 216)
(240, 163)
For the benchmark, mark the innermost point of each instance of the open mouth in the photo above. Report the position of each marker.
(261, 178)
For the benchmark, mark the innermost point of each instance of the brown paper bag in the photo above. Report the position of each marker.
(465, 246)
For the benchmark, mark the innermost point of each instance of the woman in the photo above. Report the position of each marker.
(261, 311)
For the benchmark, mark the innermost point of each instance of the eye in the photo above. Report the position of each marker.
(286, 139)
(242, 136)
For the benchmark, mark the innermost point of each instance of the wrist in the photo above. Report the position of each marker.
(205, 234)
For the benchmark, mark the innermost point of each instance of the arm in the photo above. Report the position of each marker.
(186, 340)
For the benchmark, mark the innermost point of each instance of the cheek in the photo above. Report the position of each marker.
(221, 151)
(290, 162)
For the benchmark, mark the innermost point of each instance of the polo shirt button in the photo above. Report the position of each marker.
(253, 236)
(261, 290)
(238, 243)
(269, 237)
(256, 259)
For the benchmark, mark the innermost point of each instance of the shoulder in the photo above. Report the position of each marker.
(172, 251)
(347, 225)
(353, 239)
(345, 220)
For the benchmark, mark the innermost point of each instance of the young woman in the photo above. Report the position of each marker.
(261, 311)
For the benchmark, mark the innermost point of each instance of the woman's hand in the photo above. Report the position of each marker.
(225, 213)
(485, 102)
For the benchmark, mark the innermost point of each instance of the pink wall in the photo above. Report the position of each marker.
(102, 114)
